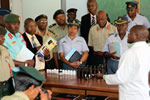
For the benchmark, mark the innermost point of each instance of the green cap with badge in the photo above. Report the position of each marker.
(2, 31)
(33, 73)
(11, 18)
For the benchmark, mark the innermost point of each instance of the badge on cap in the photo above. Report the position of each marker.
(129, 6)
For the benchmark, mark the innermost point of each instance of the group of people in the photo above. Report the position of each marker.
(123, 45)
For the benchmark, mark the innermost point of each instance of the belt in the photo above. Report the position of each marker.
(3, 83)
(98, 53)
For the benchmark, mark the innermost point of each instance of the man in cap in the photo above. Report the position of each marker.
(116, 45)
(42, 30)
(133, 71)
(135, 18)
(14, 40)
(60, 30)
(73, 41)
(98, 35)
(71, 13)
(6, 64)
(28, 82)
(3, 12)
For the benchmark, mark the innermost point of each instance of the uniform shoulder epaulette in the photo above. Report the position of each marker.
(52, 25)
(52, 32)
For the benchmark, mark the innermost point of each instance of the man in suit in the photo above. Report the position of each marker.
(87, 21)
(33, 41)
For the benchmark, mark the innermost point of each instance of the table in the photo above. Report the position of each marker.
(72, 85)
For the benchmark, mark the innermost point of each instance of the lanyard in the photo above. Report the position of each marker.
(11, 74)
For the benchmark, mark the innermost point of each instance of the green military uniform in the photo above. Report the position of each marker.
(6, 64)
(59, 32)
(46, 36)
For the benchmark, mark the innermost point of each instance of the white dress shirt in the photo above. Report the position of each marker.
(132, 75)
(35, 39)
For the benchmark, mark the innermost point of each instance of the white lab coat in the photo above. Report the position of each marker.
(132, 75)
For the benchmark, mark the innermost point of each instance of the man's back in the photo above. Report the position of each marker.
(135, 63)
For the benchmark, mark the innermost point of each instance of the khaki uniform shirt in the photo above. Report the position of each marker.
(5, 60)
(45, 37)
(18, 95)
(59, 32)
(98, 36)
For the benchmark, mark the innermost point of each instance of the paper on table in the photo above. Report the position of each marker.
(115, 47)
(24, 54)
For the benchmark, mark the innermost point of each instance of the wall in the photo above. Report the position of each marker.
(33, 8)
(81, 5)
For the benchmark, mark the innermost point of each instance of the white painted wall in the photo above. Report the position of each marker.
(33, 8)
(81, 5)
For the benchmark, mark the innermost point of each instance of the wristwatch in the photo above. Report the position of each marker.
(26, 64)
(80, 62)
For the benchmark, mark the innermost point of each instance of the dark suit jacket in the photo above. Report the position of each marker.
(85, 26)
(29, 45)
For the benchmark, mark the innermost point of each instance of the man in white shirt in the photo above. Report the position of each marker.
(135, 18)
(132, 75)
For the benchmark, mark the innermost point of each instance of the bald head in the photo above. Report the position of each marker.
(138, 33)
(102, 18)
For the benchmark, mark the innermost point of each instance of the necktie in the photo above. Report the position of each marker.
(33, 42)
(93, 20)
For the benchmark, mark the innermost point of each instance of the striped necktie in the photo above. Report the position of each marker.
(93, 21)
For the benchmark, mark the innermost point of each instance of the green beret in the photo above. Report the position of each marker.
(2, 31)
(40, 16)
(72, 10)
(73, 22)
(60, 11)
(33, 73)
(10, 18)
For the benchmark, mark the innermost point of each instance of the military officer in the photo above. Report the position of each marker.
(14, 40)
(43, 31)
(60, 29)
(135, 18)
(6, 64)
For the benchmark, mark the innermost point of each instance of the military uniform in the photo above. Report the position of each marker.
(14, 43)
(97, 38)
(138, 20)
(6, 64)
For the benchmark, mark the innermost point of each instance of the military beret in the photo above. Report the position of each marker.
(2, 30)
(40, 16)
(4, 11)
(121, 20)
(33, 73)
(131, 5)
(73, 22)
(10, 18)
(72, 10)
(60, 11)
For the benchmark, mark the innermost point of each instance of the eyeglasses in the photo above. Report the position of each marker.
(43, 21)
